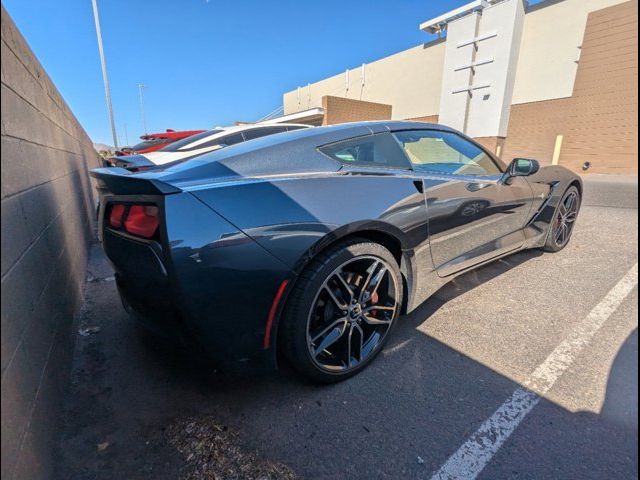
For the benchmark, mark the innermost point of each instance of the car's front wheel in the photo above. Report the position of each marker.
(563, 221)
(341, 310)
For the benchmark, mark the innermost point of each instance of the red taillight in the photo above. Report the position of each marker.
(139, 220)
(142, 221)
(115, 216)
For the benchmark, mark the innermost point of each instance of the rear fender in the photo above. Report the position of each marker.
(295, 218)
(224, 280)
(363, 228)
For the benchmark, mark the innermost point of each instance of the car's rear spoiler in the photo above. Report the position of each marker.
(120, 181)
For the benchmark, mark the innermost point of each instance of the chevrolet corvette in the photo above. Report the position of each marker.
(308, 246)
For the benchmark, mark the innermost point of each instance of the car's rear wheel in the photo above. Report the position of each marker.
(564, 218)
(341, 311)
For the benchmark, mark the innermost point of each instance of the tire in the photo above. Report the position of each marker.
(566, 214)
(339, 315)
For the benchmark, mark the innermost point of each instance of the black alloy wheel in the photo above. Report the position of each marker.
(341, 311)
(563, 221)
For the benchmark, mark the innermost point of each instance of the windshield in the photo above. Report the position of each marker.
(176, 146)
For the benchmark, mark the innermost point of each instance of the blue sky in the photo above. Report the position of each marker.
(207, 63)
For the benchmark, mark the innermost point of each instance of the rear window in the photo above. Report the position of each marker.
(380, 150)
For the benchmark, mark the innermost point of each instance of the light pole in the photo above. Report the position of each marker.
(105, 79)
(144, 122)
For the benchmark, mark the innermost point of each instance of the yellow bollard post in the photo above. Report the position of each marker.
(556, 150)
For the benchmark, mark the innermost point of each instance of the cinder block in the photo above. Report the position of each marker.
(16, 407)
(22, 81)
(37, 458)
(25, 164)
(29, 215)
(15, 233)
(21, 120)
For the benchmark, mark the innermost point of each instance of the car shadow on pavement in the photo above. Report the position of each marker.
(400, 418)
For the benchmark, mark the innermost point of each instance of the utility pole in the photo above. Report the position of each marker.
(144, 122)
(105, 79)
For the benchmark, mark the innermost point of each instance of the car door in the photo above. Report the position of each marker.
(473, 215)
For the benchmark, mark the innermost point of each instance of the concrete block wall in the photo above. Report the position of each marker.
(48, 212)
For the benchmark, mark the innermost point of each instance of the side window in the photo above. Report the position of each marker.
(291, 128)
(262, 132)
(379, 150)
(445, 152)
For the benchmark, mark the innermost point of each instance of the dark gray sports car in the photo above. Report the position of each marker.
(312, 243)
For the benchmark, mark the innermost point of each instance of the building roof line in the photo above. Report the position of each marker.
(438, 24)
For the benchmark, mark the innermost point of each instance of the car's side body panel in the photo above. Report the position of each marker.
(474, 219)
(241, 221)
(295, 218)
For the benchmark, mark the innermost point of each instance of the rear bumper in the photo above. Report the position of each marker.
(161, 324)
(141, 276)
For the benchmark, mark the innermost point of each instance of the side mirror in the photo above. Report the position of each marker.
(523, 167)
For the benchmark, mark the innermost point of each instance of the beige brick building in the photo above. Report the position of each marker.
(556, 81)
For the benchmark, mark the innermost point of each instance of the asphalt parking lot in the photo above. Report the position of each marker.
(421, 406)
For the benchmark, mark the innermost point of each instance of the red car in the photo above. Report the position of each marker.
(156, 141)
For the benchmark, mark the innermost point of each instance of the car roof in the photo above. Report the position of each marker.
(252, 126)
(378, 126)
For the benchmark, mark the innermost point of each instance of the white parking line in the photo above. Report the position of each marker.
(469, 460)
